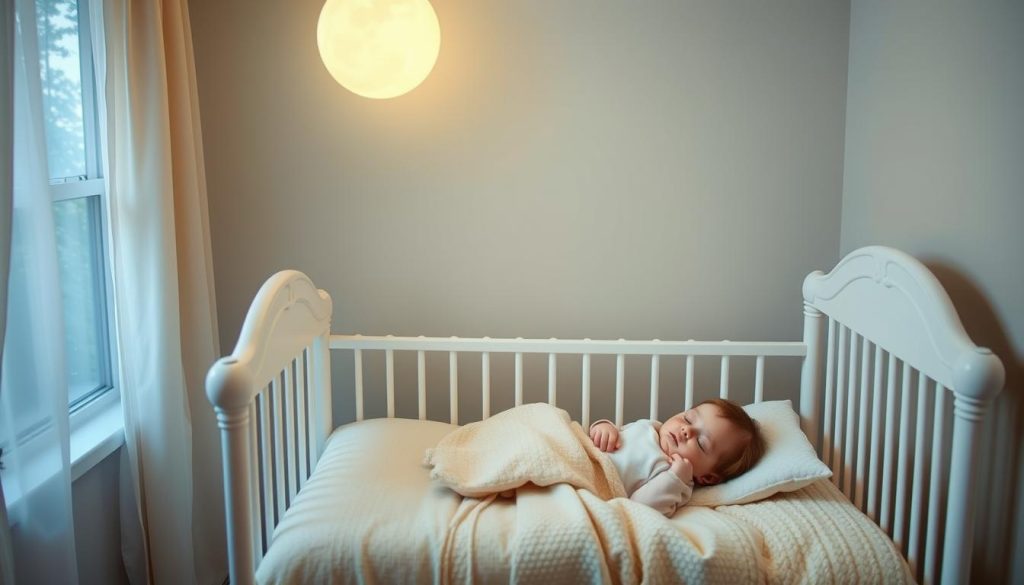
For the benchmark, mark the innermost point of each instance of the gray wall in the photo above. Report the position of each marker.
(96, 503)
(570, 169)
(934, 165)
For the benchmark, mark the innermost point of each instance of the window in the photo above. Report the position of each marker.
(78, 192)
(59, 255)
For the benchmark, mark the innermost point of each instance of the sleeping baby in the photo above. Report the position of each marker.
(659, 463)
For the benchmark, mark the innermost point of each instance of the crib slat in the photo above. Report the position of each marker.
(837, 444)
(917, 503)
(902, 471)
(876, 435)
(688, 401)
(851, 404)
(485, 383)
(585, 390)
(453, 387)
(266, 468)
(287, 392)
(309, 437)
(620, 384)
(862, 431)
(655, 374)
(421, 383)
(519, 378)
(358, 357)
(890, 446)
(277, 432)
(830, 364)
(389, 364)
(254, 482)
(294, 459)
(759, 379)
(723, 385)
(552, 377)
(299, 413)
(935, 498)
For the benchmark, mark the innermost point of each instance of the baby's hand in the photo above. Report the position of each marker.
(605, 436)
(682, 468)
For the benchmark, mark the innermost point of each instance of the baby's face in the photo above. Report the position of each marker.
(703, 437)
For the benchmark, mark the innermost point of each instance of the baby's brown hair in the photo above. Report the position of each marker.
(741, 462)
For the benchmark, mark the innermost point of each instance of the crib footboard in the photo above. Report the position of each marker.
(900, 376)
(272, 397)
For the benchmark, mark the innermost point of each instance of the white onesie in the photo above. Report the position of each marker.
(644, 469)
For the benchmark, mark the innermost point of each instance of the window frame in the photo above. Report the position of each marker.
(96, 423)
(93, 184)
(96, 418)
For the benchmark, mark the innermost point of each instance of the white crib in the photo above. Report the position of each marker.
(884, 358)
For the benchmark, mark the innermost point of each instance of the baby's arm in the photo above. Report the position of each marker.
(665, 492)
(605, 436)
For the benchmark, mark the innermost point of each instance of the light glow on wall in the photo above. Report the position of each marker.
(378, 48)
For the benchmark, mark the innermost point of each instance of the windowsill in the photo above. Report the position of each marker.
(96, 432)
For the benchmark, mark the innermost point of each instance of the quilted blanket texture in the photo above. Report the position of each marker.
(573, 524)
(371, 514)
(532, 443)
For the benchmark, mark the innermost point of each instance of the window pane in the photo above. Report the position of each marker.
(81, 273)
(61, 72)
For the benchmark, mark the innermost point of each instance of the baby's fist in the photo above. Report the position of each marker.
(605, 436)
(682, 468)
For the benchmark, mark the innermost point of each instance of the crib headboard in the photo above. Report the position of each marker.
(893, 346)
(272, 396)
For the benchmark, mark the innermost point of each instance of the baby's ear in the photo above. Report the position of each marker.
(709, 479)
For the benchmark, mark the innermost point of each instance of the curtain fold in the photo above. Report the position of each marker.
(34, 425)
(6, 202)
(164, 297)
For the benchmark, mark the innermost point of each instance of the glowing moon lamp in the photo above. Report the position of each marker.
(378, 48)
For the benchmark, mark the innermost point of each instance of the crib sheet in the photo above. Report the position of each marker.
(370, 514)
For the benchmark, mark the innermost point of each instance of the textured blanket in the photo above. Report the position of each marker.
(371, 514)
(533, 443)
(572, 524)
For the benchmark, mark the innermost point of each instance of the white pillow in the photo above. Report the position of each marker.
(789, 462)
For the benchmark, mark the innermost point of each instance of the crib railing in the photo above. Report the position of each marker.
(283, 445)
(272, 397)
(887, 446)
(892, 462)
(895, 357)
(484, 348)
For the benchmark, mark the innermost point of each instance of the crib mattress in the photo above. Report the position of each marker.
(371, 514)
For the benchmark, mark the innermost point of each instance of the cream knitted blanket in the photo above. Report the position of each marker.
(572, 523)
(533, 443)
(370, 513)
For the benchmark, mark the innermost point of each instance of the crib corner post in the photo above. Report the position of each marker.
(810, 374)
(978, 377)
(956, 556)
(234, 424)
(229, 389)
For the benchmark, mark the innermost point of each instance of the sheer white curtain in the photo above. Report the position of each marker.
(33, 390)
(6, 200)
(163, 283)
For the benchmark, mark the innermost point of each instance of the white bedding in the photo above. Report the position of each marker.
(371, 514)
